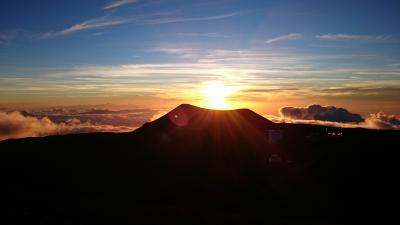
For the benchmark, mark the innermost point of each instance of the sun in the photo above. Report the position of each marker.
(215, 96)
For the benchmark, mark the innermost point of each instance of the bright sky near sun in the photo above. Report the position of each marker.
(215, 96)
(262, 54)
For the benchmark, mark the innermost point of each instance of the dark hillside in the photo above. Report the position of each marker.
(201, 166)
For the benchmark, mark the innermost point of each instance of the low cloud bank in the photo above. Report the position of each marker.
(334, 116)
(321, 113)
(383, 121)
(16, 125)
(19, 124)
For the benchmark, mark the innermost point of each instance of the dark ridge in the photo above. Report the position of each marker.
(193, 116)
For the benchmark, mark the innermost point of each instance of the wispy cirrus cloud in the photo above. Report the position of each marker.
(87, 25)
(10, 36)
(190, 19)
(286, 37)
(102, 22)
(118, 3)
(6, 37)
(353, 37)
(209, 35)
(266, 74)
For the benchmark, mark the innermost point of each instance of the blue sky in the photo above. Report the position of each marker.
(333, 52)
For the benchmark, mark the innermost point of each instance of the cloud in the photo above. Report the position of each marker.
(55, 121)
(9, 36)
(6, 37)
(287, 37)
(335, 117)
(118, 3)
(87, 25)
(382, 121)
(352, 37)
(16, 125)
(321, 113)
(248, 69)
(106, 21)
(210, 35)
(189, 19)
(103, 116)
(280, 119)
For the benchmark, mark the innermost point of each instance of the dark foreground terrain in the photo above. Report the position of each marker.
(198, 166)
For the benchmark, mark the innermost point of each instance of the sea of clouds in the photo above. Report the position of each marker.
(67, 120)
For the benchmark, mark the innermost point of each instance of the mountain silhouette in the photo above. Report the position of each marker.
(196, 165)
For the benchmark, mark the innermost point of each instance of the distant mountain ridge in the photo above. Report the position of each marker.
(185, 114)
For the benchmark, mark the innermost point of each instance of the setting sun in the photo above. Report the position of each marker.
(215, 96)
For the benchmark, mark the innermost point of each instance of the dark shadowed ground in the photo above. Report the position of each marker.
(198, 166)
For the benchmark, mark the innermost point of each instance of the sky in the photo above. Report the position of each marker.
(157, 54)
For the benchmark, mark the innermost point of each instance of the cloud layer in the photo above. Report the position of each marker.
(323, 113)
(353, 37)
(334, 116)
(18, 124)
(383, 121)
